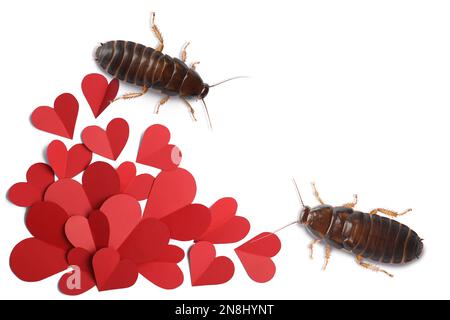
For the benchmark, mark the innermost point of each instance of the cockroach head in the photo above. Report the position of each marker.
(205, 91)
(304, 214)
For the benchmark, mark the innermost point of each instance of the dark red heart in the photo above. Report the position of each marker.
(138, 186)
(81, 279)
(100, 181)
(68, 163)
(98, 92)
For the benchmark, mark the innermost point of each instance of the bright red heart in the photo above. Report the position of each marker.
(137, 186)
(69, 195)
(111, 272)
(109, 143)
(124, 214)
(100, 181)
(68, 164)
(206, 269)
(25, 194)
(59, 120)
(155, 150)
(98, 92)
(225, 226)
(81, 279)
(256, 255)
(171, 191)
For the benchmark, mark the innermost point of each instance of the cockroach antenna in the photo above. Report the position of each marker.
(234, 78)
(207, 114)
(298, 192)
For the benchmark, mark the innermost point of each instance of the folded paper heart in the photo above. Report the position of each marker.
(81, 278)
(60, 119)
(100, 181)
(68, 163)
(98, 92)
(69, 195)
(137, 186)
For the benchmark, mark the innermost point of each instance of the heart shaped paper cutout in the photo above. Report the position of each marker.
(81, 278)
(256, 255)
(137, 186)
(171, 191)
(98, 92)
(100, 181)
(225, 226)
(155, 150)
(90, 234)
(111, 272)
(206, 268)
(59, 120)
(165, 275)
(69, 195)
(25, 194)
(68, 163)
(109, 143)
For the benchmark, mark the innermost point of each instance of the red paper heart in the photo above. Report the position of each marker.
(111, 272)
(98, 92)
(124, 214)
(109, 143)
(155, 150)
(100, 181)
(81, 279)
(255, 256)
(59, 120)
(137, 186)
(69, 195)
(171, 191)
(206, 269)
(25, 194)
(225, 226)
(68, 164)
(188, 223)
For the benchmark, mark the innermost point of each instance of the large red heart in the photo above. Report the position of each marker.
(171, 191)
(111, 272)
(59, 120)
(100, 181)
(81, 279)
(155, 150)
(68, 163)
(225, 226)
(69, 195)
(109, 143)
(25, 194)
(206, 269)
(98, 92)
(138, 186)
(256, 255)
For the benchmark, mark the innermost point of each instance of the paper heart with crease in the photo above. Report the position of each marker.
(112, 272)
(81, 279)
(100, 181)
(155, 150)
(225, 226)
(39, 177)
(138, 186)
(108, 143)
(69, 195)
(256, 255)
(206, 268)
(98, 92)
(59, 120)
(68, 163)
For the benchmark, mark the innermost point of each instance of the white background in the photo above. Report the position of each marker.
(353, 95)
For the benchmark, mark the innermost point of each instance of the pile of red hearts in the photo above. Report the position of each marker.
(94, 228)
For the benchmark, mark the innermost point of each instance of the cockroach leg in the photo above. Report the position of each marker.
(352, 204)
(390, 213)
(372, 267)
(327, 256)
(157, 34)
(194, 65)
(183, 52)
(311, 247)
(128, 96)
(316, 193)
(191, 110)
(161, 102)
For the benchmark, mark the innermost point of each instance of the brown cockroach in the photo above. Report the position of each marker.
(150, 68)
(365, 235)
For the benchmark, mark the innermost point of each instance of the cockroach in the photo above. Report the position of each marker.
(150, 68)
(365, 235)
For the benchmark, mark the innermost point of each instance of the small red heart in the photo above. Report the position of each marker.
(25, 194)
(100, 181)
(111, 272)
(98, 92)
(109, 143)
(81, 279)
(137, 186)
(68, 164)
(206, 269)
(171, 191)
(155, 150)
(59, 120)
(225, 226)
(256, 255)
(69, 195)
